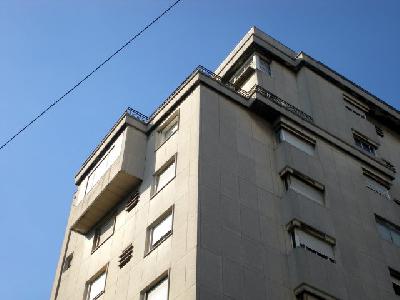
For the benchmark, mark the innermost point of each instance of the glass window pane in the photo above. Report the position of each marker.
(170, 130)
(159, 292)
(395, 237)
(166, 176)
(384, 232)
(106, 230)
(97, 286)
(161, 229)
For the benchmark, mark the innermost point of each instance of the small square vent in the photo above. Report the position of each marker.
(379, 131)
(133, 201)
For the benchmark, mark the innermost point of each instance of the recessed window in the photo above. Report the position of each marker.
(159, 231)
(355, 107)
(103, 232)
(305, 189)
(296, 141)
(67, 262)
(159, 291)
(165, 175)
(167, 130)
(388, 231)
(303, 185)
(365, 146)
(265, 67)
(313, 241)
(308, 296)
(377, 187)
(395, 277)
(96, 286)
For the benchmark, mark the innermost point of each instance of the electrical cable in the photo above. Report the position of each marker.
(89, 74)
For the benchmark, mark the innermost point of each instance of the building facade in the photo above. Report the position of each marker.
(272, 178)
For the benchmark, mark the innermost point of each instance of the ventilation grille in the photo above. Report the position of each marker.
(126, 256)
(67, 262)
(132, 202)
(389, 165)
(379, 131)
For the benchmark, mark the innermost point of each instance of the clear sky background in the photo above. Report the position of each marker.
(46, 46)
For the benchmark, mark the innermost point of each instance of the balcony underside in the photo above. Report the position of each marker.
(115, 191)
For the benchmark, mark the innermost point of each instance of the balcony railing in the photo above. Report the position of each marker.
(256, 88)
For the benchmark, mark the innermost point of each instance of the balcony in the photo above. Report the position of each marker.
(113, 170)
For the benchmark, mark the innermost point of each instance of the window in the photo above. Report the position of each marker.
(159, 291)
(312, 240)
(355, 107)
(168, 130)
(67, 262)
(395, 277)
(265, 67)
(307, 292)
(104, 231)
(355, 111)
(388, 231)
(303, 185)
(96, 287)
(308, 296)
(364, 145)
(165, 175)
(296, 141)
(305, 189)
(377, 187)
(104, 164)
(160, 231)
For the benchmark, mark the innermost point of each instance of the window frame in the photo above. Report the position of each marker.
(96, 236)
(150, 230)
(287, 173)
(174, 118)
(295, 225)
(161, 170)
(92, 279)
(390, 227)
(371, 178)
(160, 279)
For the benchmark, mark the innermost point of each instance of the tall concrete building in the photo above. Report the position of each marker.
(272, 178)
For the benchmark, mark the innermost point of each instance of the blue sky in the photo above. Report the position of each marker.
(46, 46)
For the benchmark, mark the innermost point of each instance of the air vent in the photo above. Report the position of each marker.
(379, 131)
(67, 262)
(389, 165)
(126, 256)
(133, 201)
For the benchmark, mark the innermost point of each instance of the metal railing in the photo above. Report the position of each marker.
(255, 89)
(279, 101)
(137, 115)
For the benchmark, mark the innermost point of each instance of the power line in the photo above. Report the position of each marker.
(89, 74)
